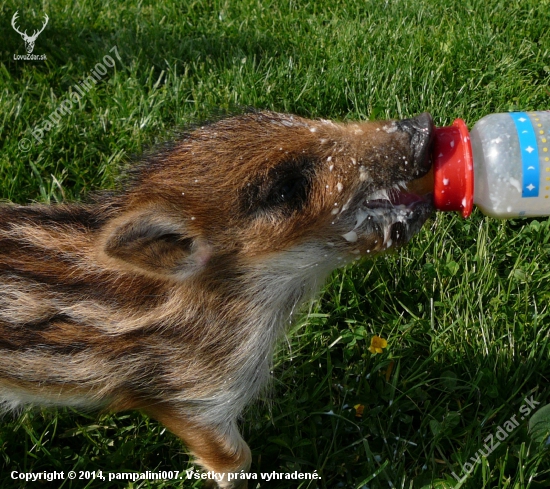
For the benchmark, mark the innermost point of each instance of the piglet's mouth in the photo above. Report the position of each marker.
(397, 213)
(399, 199)
(405, 195)
(409, 199)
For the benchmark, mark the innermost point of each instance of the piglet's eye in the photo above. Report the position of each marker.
(282, 191)
(288, 191)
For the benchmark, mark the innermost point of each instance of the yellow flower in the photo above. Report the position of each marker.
(376, 344)
(359, 408)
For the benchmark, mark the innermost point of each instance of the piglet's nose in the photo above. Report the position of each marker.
(422, 122)
(421, 131)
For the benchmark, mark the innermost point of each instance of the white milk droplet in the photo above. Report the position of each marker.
(351, 236)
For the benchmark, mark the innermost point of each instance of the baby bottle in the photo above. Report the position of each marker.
(502, 166)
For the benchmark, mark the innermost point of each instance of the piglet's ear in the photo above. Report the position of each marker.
(151, 242)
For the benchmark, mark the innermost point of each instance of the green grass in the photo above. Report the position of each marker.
(465, 307)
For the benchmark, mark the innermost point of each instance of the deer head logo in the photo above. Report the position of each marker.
(29, 40)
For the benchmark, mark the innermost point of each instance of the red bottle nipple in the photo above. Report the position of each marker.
(453, 168)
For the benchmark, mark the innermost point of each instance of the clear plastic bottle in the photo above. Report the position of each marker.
(502, 166)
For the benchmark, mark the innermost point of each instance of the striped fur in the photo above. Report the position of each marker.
(169, 295)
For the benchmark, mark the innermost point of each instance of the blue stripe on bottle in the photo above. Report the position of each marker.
(529, 154)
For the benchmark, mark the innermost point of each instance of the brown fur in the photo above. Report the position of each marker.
(169, 296)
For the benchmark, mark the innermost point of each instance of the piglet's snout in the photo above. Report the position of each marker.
(421, 131)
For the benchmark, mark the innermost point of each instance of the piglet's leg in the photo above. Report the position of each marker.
(218, 449)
